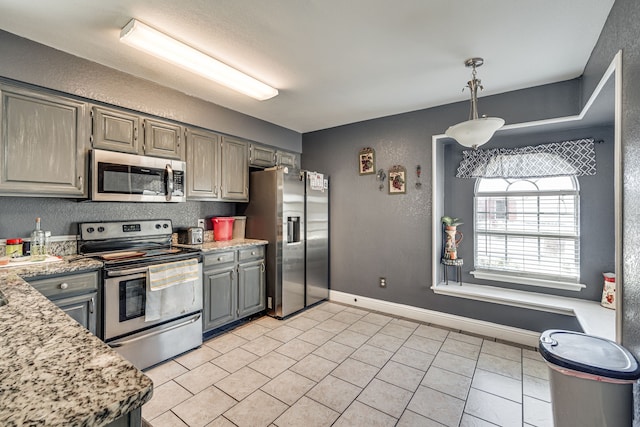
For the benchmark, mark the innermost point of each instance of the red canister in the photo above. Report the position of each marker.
(14, 247)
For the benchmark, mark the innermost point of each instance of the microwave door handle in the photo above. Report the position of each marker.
(169, 182)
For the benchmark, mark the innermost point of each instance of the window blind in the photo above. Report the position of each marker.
(532, 234)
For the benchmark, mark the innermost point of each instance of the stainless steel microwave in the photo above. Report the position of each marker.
(122, 177)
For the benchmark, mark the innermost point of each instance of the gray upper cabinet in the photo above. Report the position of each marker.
(163, 139)
(43, 144)
(115, 130)
(119, 130)
(76, 294)
(261, 156)
(217, 167)
(234, 167)
(203, 160)
(286, 158)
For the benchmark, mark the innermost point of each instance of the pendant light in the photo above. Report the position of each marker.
(475, 131)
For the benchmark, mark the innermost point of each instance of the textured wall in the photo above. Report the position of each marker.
(31, 62)
(60, 216)
(622, 31)
(596, 207)
(374, 234)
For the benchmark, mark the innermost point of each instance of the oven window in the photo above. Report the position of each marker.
(132, 298)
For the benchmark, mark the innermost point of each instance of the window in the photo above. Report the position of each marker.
(527, 228)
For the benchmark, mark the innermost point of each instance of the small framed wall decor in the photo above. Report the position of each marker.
(367, 161)
(397, 180)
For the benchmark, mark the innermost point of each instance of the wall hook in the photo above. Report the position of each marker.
(381, 176)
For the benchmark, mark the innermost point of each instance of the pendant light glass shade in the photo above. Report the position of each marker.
(475, 131)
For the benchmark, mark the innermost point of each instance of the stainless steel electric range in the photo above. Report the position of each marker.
(151, 292)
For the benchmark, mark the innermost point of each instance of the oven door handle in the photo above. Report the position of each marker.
(120, 273)
(161, 331)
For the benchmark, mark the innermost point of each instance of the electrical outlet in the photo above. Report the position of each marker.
(383, 282)
(201, 223)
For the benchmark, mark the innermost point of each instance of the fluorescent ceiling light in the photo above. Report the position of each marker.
(160, 45)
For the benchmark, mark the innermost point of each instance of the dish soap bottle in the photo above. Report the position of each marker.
(38, 244)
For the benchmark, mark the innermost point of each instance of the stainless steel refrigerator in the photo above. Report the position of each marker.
(290, 209)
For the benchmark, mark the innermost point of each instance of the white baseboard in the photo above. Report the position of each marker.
(479, 327)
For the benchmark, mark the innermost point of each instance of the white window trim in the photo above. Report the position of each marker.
(531, 281)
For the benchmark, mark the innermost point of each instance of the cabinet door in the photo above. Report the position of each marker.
(203, 158)
(163, 139)
(43, 144)
(82, 309)
(251, 288)
(234, 168)
(115, 130)
(288, 159)
(261, 156)
(220, 297)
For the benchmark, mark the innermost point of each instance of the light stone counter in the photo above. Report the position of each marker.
(226, 245)
(53, 372)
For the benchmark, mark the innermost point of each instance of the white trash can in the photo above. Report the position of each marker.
(591, 379)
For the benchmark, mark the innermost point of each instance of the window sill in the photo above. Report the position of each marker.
(593, 318)
(500, 277)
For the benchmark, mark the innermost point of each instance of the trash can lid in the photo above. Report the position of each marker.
(588, 353)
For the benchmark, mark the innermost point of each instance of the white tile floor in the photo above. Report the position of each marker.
(343, 366)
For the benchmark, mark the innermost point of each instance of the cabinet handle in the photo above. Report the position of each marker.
(80, 181)
(253, 252)
(262, 268)
(64, 285)
(219, 258)
(91, 305)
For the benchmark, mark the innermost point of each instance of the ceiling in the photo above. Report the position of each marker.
(333, 61)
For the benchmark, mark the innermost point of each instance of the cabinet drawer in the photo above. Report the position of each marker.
(251, 253)
(219, 258)
(60, 286)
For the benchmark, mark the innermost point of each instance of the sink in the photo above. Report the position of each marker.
(3, 299)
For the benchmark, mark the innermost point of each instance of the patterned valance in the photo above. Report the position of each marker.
(576, 157)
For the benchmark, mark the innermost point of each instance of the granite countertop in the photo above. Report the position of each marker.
(68, 265)
(52, 370)
(226, 245)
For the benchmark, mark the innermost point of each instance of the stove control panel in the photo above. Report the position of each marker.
(120, 229)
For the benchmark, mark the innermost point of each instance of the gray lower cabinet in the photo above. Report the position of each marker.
(75, 294)
(42, 144)
(132, 419)
(119, 130)
(217, 167)
(234, 286)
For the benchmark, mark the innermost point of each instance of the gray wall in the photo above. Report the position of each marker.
(60, 216)
(374, 234)
(31, 62)
(622, 31)
(597, 241)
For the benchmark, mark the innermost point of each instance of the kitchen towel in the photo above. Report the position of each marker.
(173, 289)
(162, 276)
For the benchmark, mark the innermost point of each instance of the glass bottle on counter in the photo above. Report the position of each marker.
(38, 243)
